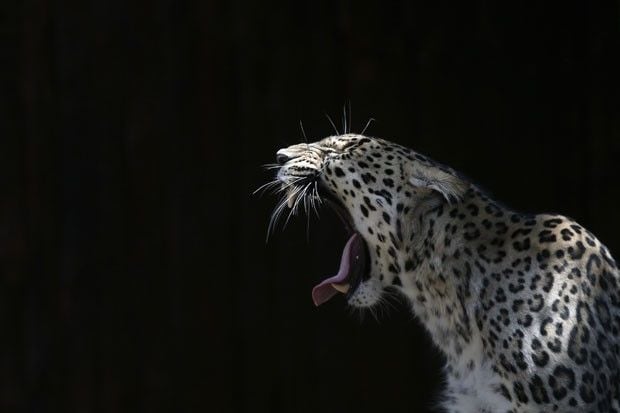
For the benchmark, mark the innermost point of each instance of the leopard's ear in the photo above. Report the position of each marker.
(438, 180)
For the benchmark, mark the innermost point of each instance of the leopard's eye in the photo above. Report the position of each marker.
(348, 145)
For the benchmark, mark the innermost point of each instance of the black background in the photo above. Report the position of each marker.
(135, 276)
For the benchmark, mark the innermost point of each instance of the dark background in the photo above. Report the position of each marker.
(135, 276)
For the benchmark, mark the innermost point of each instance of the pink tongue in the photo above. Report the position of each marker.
(325, 290)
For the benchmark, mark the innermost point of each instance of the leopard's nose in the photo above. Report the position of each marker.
(282, 159)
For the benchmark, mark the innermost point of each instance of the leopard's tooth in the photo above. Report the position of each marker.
(290, 201)
(343, 288)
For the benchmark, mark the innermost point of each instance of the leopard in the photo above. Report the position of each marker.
(524, 308)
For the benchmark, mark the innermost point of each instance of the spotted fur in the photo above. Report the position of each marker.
(525, 308)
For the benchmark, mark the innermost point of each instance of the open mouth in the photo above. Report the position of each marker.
(353, 267)
(354, 263)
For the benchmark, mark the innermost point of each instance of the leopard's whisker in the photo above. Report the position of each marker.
(266, 187)
(367, 125)
(303, 132)
(332, 123)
